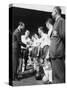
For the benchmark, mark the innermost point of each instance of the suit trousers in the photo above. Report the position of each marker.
(58, 70)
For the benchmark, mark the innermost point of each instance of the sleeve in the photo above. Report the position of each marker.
(62, 29)
(14, 37)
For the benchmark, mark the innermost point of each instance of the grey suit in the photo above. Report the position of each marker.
(57, 51)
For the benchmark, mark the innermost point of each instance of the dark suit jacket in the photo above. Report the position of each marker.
(57, 45)
(16, 39)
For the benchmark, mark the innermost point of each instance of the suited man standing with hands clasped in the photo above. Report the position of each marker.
(57, 51)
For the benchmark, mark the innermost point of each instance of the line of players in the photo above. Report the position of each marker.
(35, 51)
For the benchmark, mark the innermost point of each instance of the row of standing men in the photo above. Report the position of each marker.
(54, 42)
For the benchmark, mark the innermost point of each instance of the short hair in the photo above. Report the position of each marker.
(41, 28)
(49, 21)
(58, 9)
(27, 31)
(21, 24)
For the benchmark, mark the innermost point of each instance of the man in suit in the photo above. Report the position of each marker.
(57, 51)
(16, 43)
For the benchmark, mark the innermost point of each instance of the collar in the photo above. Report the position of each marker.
(57, 17)
(51, 27)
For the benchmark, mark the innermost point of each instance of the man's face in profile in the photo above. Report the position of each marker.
(27, 33)
(39, 31)
(22, 27)
(54, 12)
(47, 25)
